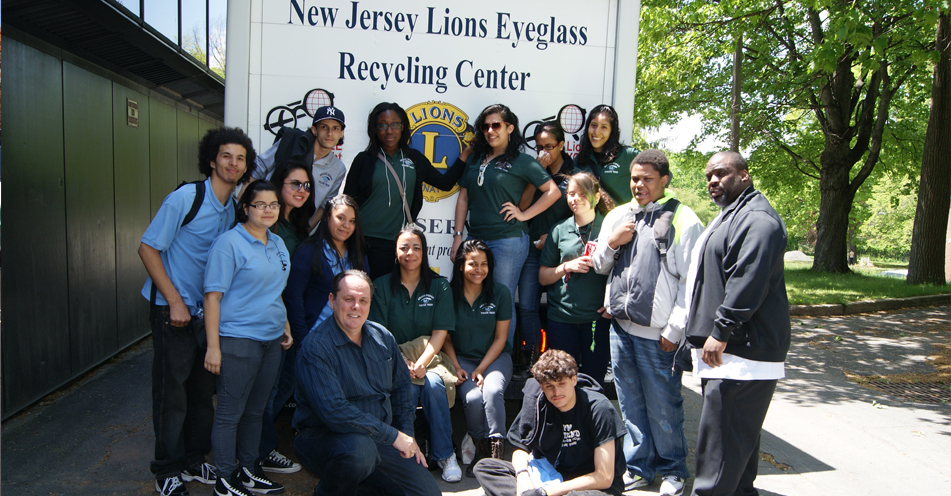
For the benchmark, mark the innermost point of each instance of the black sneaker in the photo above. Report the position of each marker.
(279, 464)
(233, 487)
(257, 482)
(201, 472)
(171, 486)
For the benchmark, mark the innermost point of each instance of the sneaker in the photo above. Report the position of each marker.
(450, 469)
(257, 482)
(171, 486)
(201, 472)
(225, 487)
(671, 486)
(279, 464)
(632, 481)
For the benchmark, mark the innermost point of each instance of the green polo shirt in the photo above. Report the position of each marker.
(578, 300)
(286, 232)
(616, 174)
(559, 211)
(502, 182)
(409, 317)
(382, 214)
(475, 324)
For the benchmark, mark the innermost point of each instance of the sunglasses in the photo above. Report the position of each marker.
(495, 126)
(297, 185)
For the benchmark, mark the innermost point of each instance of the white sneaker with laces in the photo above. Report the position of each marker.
(671, 486)
(632, 481)
(450, 469)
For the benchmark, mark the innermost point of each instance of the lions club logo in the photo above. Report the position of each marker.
(441, 131)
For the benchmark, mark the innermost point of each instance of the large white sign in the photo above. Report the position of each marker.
(443, 62)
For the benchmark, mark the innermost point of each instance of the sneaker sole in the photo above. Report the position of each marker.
(264, 491)
(453, 479)
(281, 470)
(198, 478)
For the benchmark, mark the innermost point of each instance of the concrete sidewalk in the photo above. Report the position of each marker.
(824, 435)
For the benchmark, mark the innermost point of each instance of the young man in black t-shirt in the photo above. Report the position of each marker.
(567, 437)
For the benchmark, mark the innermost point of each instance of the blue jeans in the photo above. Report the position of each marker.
(485, 408)
(432, 397)
(509, 256)
(652, 406)
(351, 463)
(283, 390)
(575, 339)
(248, 371)
(182, 411)
(529, 297)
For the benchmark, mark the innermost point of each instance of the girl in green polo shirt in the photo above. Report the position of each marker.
(483, 358)
(411, 302)
(603, 155)
(294, 181)
(576, 291)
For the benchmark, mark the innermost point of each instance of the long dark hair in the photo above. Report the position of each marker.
(356, 244)
(248, 196)
(613, 146)
(299, 217)
(458, 278)
(374, 146)
(426, 274)
(517, 142)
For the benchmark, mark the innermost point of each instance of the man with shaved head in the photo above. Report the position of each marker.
(737, 327)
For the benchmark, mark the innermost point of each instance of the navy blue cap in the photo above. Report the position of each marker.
(329, 113)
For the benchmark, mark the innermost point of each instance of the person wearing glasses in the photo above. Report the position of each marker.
(313, 146)
(550, 145)
(382, 174)
(249, 263)
(603, 154)
(490, 189)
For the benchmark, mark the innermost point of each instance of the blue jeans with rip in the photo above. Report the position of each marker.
(352, 463)
(652, 406)
(432, 397)
(510, 254)
(529, 298)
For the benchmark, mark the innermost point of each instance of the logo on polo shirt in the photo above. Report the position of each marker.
(408, 163)
(441, 131)
(487, 309)
(324, 179)
(426, 300)
(611, 168)
(503, 166)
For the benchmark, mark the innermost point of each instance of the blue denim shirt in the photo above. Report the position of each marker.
(346, 388)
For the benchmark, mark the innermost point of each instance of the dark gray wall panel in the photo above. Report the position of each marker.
(133, 212)
(35, 337)
(188, 147)
(163, 152)
(90, 216)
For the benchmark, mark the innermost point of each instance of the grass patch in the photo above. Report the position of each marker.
(806, 287)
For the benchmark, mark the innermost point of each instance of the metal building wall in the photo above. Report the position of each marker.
(81, 188)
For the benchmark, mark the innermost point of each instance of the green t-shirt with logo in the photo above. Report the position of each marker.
(382, 214)
(577, 300)
(475, 324)
(503, 181)
(407, 316)
(616, 174)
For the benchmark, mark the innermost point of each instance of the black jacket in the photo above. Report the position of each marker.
(295, 144)
(740, 293)
(360, 177)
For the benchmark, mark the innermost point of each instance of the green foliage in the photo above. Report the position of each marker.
(886, 232)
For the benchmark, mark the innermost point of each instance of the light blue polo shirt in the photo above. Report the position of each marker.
(252, 277)
(184, 250)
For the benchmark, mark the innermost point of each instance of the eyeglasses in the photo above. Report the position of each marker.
(396, 126)
(547, 148)
(297, 185)
(482, 173)
(266, 206)
(495, 126)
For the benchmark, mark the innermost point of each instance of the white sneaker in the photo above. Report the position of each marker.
(632, 481)
(450, 469)
(671, 486)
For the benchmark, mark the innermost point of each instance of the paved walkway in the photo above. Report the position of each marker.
(824, 435)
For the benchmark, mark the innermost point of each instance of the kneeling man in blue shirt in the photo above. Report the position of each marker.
(354, 411)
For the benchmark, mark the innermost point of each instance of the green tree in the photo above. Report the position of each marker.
(820, 78)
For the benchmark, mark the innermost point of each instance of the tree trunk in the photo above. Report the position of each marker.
(736, 95)
(835, 203)
(926, 264)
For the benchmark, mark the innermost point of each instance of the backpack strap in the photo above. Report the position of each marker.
(663, 230)
(196, 203)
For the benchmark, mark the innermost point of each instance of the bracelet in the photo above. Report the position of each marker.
(457, 233)
(520, 471)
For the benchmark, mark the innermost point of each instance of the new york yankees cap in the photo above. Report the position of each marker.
(329, 113)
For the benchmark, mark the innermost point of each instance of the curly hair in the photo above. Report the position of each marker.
(374, 146)
(517, 142)
(210, 145)
(554, 365)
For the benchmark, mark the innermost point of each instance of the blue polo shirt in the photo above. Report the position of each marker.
(184, 250)
(252, 277)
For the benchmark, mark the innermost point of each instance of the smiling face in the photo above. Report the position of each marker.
(231, 163)
(295, 198)
(496, 132)
(351, 305)
(389, 137)
(577, 200)
(262, 218)
(476, 267)
(561, 392)
(725, 182)
(328, 132)
(409, 252)
(647, 184)
(599, 130)
(342, 223)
